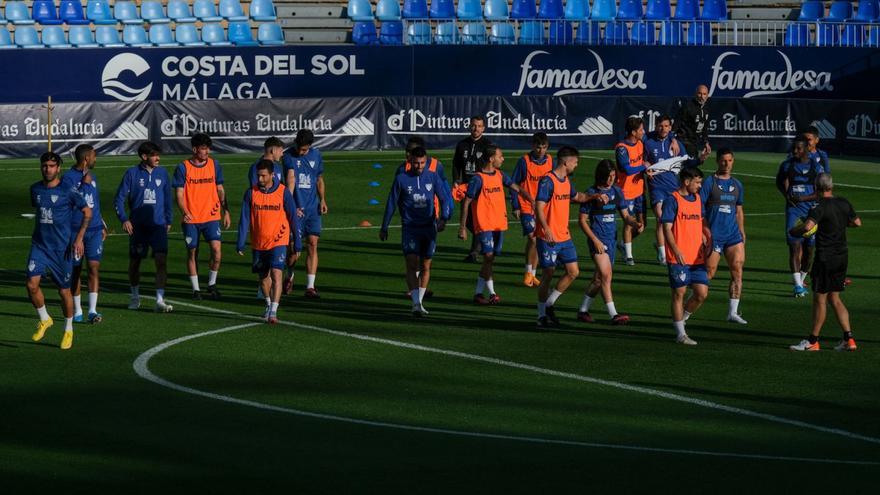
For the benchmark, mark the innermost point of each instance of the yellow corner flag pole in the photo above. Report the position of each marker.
(49, 109)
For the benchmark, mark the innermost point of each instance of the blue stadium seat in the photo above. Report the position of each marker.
(797, 34)
(643, 33)
(869, 11)
(523, 9)
(629, 10)
(714, 10)
(874, 37)
(26, 36)
(135, 35)
(53, 37)
(364, 33)
(469, 10)
(263, 11)
(71, 12)
(658, 10)
(391, 33)
(616, 33)
(388, 10)
(161, 35)
(239, 33)
(550, 9)
(588, 33)
(699, 33)
(152, 12)
(81, 36)
(45, 13)
(126, 12)
(828, 34)
(502, 33)
(231, 10)
(442, 9)
(187, 35)
(99, 12)
(360, 11)
(447, 33)
(577, 10)
(603, 10)
(5, 39)
(18, 14)
(687, 10)
(418, 33)
(853, 35)
(3, 21)
(671, 32)
(108, 36)
(205, 11)
(213, 34)
(179, 11)
(268, 34)
(496, 10)
(561, 33)
(473, 33)
(812, 11)
(840, 11)
(531, 33)
(415, 9)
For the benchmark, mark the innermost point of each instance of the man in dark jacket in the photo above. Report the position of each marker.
(466, 162)
(692, 122)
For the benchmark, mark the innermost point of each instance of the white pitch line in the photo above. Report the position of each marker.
(521, 366)
(141, 367)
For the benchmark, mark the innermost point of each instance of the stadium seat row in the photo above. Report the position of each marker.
(868, 11)
(832, 34)
(134, 35)
(533, 32)
(573, 10)
(126, 12)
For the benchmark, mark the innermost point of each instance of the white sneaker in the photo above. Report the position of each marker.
(419, 310)
(805, 345)
(735, 318)
(134, 302)
(266, 313)
(684, 339)
(163, 307)
(686, 316)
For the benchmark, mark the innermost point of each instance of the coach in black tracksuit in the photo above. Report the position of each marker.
(466, 162)
(692, 122)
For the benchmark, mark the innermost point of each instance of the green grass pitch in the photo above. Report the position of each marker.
(352, 395)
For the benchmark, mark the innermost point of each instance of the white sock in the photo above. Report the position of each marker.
(534, 272)
(797, 279)
(68, 324)
(77, 305)
(160, 295)
(612, 311)
(422, 291)
(414, 295)
(490, 285)
(661, 251)
(687, 314)
(310, 280)
(273, 307)
(136, 291)
(803, 277)
(585, 305)
(290, 275)
(481, 284)
(194, 280)
(554, 295)
(529, 268)
(628, 249)
(93, 302)
(44, 315)
(212, 277)
(268, 300)
(734, 307)
(679, 327)
(542, 310)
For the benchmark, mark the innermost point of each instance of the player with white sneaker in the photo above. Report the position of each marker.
(722, 197)
(529, 170)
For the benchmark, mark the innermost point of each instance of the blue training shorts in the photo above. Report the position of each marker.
(610, 247)
(557, 254)
(527, 221)
(685, 275)
(265, 260)
(309, 224)
(491, 241)
(658, 195)
(58, 264)
(419, 241)
(209, 230)
(93, 244)
(146, 237)
(720, 243)
(635, 206)
(792, 215)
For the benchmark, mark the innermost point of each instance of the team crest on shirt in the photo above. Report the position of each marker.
(429, 187)
(32, 265)
(141, 182)
(158, 182)
(312, 163)
(54, 198)
(90, 200)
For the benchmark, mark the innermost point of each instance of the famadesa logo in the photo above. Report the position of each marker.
(118, 65)
(595, 79)
(758, 83)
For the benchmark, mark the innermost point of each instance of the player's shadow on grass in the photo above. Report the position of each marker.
(9, 343)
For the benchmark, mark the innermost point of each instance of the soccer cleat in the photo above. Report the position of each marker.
(550, 311)
(846, 345)
(78, 318)
(42, 326)
(272, 318)
(630, 262)
(481, 300)
(494, 299)
(288, 286)
(95, 318)
(527, 279)
(312, 293)
(585, 317)
(685, 340)
(67, 340)
(163, 307)
(134, 302)
(266, 313)
(620, 319)
(213, 293)
(735, 318)
(544, 323)
(418, 310)
(197, 296)
(805, 345)
(535, 281)
(800, 291)
(470, 258)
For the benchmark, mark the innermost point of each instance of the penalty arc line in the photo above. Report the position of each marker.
(141, 367)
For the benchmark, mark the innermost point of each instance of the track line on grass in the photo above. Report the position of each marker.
(141, 367)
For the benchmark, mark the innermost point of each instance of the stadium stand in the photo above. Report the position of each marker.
(45, 13)
(71, 12)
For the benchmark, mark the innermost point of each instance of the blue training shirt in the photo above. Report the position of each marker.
(89, 191)
(720, 199)
(603, 216)
(147, 194)
(413, 195)
(656, 150)
(54, 213)
(821, 158)
(307, 169)
(801, 178)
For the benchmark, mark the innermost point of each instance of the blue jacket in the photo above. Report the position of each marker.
(147, 195)
(414, 196)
